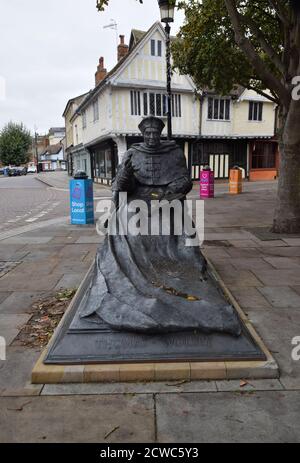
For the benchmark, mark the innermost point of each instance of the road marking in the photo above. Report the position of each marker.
(32, 227)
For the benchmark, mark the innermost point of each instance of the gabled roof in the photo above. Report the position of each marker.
(135, 41)
(236, 92)
(76, 99)
(135, 37)
(52, 149)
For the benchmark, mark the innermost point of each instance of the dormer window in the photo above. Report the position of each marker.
(156, 47)
(255, 111)
(218, 109)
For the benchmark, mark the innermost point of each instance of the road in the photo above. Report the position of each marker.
(25, 200)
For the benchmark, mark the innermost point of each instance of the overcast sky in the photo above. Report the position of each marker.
(49, 51)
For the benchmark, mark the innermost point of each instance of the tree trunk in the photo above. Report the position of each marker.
(287, 212)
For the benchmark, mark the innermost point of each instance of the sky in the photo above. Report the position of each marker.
(49, 51)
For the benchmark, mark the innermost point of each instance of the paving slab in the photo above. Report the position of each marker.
(250, 298)
(228, 235)
(16, 370)
(288, 277)
(19, 302)
(65, 239)
(7, 253)
(297, 289)
(4, 295)
(292, 241)
(271, 243)
(21, 282)
(71, 265)
(283, 262)
(277, 322)
(281, 296)
(249, 385)
(243, 252)
(281, 251)
(243, 278)
(290, 382)
(40, 267)
(77, 249)
(130, 388)
(71, 280)
(38, 253)
(223, 268)
(27, 240)
(88, 419)
(94, 239)
(216, 252)
(243, 243)
(250, 263)
(10, 325)
(229, 417)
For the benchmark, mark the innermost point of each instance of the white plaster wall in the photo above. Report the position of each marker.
(123, 121)
(212, 127)
(98, 128)
(242, 125)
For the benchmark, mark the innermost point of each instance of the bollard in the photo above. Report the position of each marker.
(236, 181)
(207, 183)
(81, 200)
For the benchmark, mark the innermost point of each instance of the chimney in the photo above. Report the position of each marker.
(101, 71)
(122, 48)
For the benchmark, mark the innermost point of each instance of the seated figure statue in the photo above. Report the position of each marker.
(154, 283)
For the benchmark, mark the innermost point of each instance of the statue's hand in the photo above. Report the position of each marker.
(128, 167)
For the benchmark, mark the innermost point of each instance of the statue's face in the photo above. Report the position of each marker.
(152, 137)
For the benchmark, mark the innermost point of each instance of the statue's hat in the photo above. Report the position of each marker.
(153, 122)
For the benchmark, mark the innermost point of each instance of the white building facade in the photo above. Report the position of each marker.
(219, 131)
(134, 89)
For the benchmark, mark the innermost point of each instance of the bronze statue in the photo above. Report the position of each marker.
(154, 283)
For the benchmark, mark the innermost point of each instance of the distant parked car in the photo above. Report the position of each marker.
(17, 171)
(31, 170)
(2, 170)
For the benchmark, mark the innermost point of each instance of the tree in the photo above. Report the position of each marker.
(15, 141)
(256, 44)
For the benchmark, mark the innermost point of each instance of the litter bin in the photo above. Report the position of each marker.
(207, 183)
(236, 181)
(81, 199)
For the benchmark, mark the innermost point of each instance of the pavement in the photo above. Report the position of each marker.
(262, 271)
(60, 181)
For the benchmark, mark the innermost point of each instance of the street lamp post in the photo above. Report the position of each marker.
(36, 152)
(167, 16)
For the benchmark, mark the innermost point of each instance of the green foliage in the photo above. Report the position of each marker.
(15, 141)
(207, 49)
(101, 4)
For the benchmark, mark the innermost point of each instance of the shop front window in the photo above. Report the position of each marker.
(108, 163)
(103, 164)
(264, 156)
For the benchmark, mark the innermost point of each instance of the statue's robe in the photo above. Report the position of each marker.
(155, 284)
